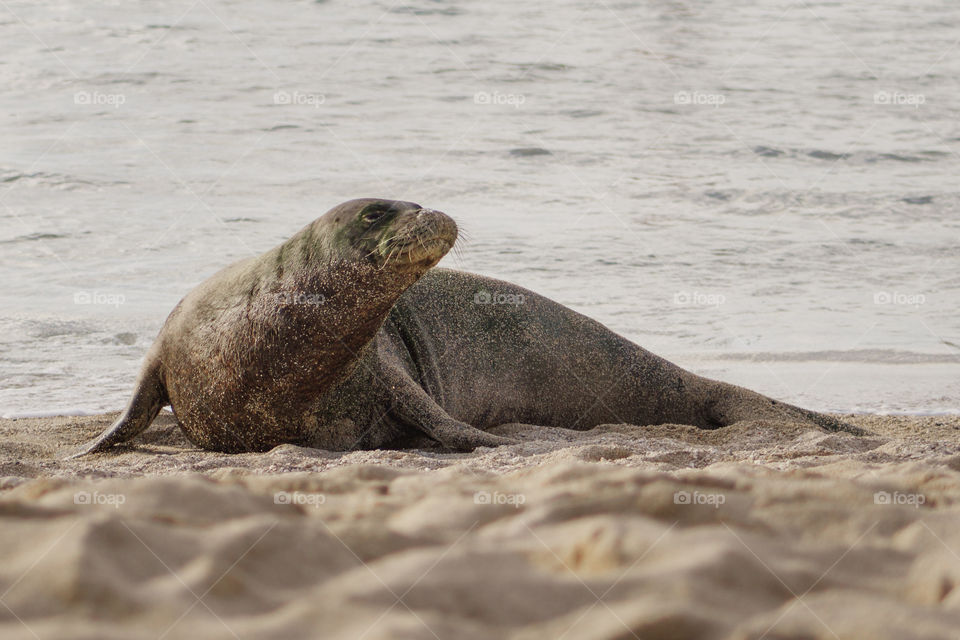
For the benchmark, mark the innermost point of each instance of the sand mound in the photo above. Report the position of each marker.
(755, 531)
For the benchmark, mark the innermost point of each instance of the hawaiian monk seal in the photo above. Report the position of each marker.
(343, 337)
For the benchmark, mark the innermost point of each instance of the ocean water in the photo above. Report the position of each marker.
(763, 191)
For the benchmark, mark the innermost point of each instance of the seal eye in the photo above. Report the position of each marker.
(373, 215)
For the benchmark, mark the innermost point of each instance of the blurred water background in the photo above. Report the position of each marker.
(763, 191)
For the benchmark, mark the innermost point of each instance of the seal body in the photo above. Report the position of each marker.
(459, 349)
(344, 337)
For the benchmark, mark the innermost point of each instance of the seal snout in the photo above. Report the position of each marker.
(430, 222)
(419, 237)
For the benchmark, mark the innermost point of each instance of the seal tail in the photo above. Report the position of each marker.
(830, 423)
(149, 397)
(733, 404)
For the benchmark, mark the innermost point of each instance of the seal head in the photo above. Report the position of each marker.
(388, 233)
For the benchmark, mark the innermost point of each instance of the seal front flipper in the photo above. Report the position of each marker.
(459, 436)
(150, 396)
(413, 407)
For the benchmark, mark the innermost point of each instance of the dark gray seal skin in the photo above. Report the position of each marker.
(466, 350)
(344, 338)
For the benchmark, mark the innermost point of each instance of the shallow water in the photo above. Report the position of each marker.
(760, 191)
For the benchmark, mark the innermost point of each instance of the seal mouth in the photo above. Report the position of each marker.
(422, 249)
(422, 239)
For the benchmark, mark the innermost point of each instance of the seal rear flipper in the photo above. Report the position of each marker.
(830, 423)
(733, 404)
(149, 397)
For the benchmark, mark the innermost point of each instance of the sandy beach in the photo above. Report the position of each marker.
(759, 530)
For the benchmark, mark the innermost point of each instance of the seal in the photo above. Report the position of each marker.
(346, 337)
